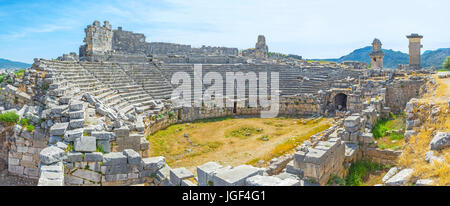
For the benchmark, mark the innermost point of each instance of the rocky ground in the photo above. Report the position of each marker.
(9, 180)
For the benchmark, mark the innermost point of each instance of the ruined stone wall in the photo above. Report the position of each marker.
(12, 97)
(98, 39)
(23, 151)
(5, 133)
(168, 48)
(127, 41)
(399, 92)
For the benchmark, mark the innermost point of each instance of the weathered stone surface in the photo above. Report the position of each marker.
(93, 157)
(351, 121)
(163, 173)
(440, 141)
(114, 158)
(76, 105)
(154, 163)
(85, 144)
(400, 178)
(102, 135)
(51, 155)
(76, 115)
(206, 171)
(59, 129)
(133, 157)
(235, 176)
(88, 175)
(179, 174)
(389, 174)
(424, 182)
(61, 145)
(76, 123)
(74, 157)
(71, 135)
(259, 180)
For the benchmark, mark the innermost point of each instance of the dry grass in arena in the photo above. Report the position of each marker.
(231, 141)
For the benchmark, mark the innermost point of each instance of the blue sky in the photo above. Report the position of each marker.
(313, 29)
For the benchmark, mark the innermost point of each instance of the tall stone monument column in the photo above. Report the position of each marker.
(376, 56)
(414, 50)
(261, 48)
(98, 40)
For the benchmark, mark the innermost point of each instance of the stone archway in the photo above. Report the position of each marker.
(340, 102)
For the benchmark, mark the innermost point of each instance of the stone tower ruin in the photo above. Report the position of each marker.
(98, 40)
(376, 56)
(261, 48)
(414, 50)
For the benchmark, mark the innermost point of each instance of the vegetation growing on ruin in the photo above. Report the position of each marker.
(26, 123)
(9, 117)
(389, 132)
(359, 171)
(20, 73)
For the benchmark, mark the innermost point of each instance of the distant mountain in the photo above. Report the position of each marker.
(435, 58)
(393, 58)
(8, 64)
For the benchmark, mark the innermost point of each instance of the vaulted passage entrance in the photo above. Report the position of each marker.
(340, 100)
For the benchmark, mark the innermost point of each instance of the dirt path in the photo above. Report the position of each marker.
(212, 141)
(442, 93)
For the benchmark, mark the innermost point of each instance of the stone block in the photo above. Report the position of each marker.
(440, 141)
(74, 157)
(206, 171)
(31, 172)
(76, 123)
(179, 174)
(93, 157)
(76, 106)
(76, 115)
(153, 163)
(51, 155)
(72, 180)
(315, 156)
(71, 135)
(424, 182)
(133, 157)
(118, 169)
(400, 178)
(389, 174)
(54, 139)
(259, 180)
(235, 176)
(102, 135)
(59, 129)
(352, 121)
(114, 158)
(16, 169)
(163, 173)
(85, 144)
(88, 175)
(55, 167)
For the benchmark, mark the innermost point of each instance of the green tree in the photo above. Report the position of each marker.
(446, 64)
